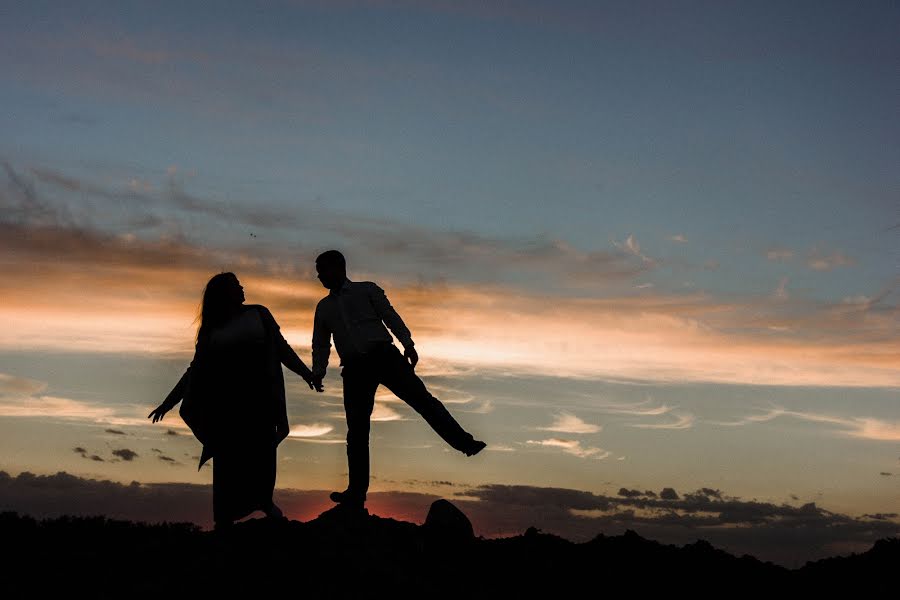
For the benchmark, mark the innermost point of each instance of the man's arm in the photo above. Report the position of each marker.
(390, 317)
(321, 344)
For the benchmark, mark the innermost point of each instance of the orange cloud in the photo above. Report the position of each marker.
(72, 289)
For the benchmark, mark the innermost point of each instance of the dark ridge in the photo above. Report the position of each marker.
(354, 554)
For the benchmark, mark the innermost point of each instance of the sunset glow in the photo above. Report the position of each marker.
(647, 252)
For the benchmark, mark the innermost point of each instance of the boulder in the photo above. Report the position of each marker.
(447, 524)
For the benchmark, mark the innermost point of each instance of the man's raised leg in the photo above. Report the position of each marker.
(400, 377)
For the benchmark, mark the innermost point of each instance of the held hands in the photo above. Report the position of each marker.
(158, 413)
(312, 381)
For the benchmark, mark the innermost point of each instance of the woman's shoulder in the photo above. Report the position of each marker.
(259, 307)
(264, 312)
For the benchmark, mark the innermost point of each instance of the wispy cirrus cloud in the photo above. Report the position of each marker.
(572, 447)
(569, 423)
(868, 428)
(644, 408)
(682, 421)
(632, 246)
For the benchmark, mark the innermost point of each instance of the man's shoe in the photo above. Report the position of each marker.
(474, 448)
(349, 498)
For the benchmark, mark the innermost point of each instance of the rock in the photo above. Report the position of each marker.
(448, 524)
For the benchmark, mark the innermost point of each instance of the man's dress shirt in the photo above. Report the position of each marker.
(355, 315)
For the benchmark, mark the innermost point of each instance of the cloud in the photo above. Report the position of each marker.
(310, 430)
(710, 493)
(867, 303)
(171, 432)
(819, 261)
(631, 246)
(781, 292)
(569, 423)
(868, 428)
(626, 493)
(125, 454)
(785, 534)
(54, 406)
(668, 494)
(678, 238)
(11, 385)
(382, 412)
(84, 454)
(683, 421)
(572, 447)
(767, 415)
(779, 254)
(636, 409)
(20, 397)
(489, 315)
(782, 533)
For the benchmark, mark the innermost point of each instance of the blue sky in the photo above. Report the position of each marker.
(620, 232)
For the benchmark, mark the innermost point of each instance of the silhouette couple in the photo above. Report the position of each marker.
(233, 395)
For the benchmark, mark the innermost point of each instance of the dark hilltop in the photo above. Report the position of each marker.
(355, 554)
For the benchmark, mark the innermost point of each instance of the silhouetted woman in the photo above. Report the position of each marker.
(235, 399)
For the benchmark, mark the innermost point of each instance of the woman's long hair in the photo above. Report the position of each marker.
(219, 302)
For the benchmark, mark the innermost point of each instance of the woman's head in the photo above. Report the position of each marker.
(222, 295)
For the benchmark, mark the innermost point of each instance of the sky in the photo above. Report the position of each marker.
(648, 252)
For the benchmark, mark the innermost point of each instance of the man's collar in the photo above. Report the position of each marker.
(345, 285)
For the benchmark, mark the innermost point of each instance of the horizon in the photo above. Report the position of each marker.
(639, 247)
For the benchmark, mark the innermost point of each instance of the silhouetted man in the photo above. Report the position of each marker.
(355, 313)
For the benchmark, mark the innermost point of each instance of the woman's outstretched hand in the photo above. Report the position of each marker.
(158, 413)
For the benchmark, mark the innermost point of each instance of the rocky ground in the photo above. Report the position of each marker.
(354, 554)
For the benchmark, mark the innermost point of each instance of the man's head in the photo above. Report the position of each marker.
(332, 268)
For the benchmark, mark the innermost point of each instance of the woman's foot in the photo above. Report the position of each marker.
(273, 512)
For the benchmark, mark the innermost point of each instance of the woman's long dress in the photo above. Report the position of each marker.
(243, 426)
